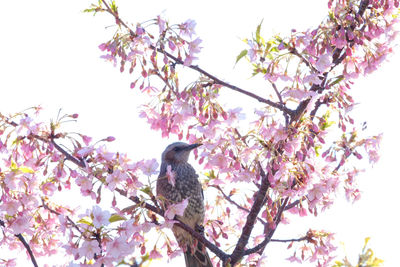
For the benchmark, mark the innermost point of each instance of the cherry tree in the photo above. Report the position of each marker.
(290, 154)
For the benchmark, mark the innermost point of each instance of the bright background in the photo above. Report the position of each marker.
(49, 56)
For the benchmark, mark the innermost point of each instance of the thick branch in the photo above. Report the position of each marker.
(267, 239)
(251, 218)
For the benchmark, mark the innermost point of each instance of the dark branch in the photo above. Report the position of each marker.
(251, 218)
(290, 240)
(28, 248)
(267, 239)
(26, 245)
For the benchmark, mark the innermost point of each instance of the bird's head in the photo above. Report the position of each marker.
(178, 152)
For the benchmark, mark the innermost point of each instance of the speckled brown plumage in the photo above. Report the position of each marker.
(187, 186)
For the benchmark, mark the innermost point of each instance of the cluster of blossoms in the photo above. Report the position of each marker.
(286, 158)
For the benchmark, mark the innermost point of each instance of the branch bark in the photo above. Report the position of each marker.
(238, 252)
(26, 245)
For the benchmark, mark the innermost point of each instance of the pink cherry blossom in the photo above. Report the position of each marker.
(20, 224)
(187, 28)
(116, 178)
(170, 175)
(119, 248)
(89, 248)
(252, 52)
(149, 167)
(162, 24)
(154, 254)
(324, 62)
(100, 217)
(176, 209)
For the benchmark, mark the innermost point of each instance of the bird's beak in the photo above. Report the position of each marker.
(193, 146)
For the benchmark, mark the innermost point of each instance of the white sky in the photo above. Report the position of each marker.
(49, 56)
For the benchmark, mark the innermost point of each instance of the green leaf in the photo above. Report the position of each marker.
(86, 220)
(116, 217)
(338, 79)
(25, 169)
(146, 190)
(13, 166)
(258, 36)
(242, 54)
(114, 7)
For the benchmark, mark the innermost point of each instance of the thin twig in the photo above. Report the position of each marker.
(286, 115)
(44, 205)
(230, 200)
(290, 240)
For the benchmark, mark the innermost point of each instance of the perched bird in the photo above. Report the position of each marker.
(187, 186)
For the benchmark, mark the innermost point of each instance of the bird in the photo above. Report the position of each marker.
(186, 186)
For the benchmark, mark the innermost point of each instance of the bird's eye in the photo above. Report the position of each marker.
(176, 149)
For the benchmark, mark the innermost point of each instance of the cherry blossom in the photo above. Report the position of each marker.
(176, 209)
(100, 217)
(89, 249)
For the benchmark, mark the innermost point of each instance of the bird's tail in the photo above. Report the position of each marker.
(199, 258)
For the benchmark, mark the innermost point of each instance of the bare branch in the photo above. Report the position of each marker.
(290, 240)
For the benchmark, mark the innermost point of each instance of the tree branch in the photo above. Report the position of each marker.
(290, 240)
(251, 218)
(337, 58)
(44, 205)
(230, 200)
(26, 245)
(222, 255)
(267, 239)
(216, 80)
(28, 248)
